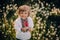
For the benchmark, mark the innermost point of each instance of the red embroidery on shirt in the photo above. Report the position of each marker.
(25, 23)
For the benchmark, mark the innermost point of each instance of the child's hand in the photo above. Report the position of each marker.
(24, 29)
(30, 29)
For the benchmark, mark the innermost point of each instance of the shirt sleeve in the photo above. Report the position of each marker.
(16, 26)
(31, 23)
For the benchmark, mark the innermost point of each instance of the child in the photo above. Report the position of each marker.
(23, 24)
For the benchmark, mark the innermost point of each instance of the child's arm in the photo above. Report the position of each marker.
(31, 24)
(17, 27)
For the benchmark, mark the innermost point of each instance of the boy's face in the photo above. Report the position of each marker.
(23, 14)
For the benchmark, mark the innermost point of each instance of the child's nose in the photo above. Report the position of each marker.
(24, 12)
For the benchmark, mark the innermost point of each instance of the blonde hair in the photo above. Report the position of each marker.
(24, 7)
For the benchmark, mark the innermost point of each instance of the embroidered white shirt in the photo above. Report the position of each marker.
(18, 26)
